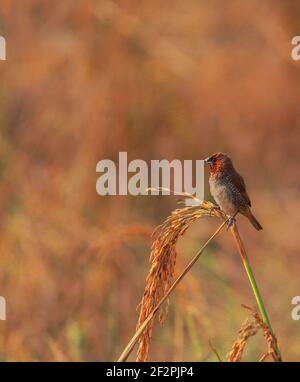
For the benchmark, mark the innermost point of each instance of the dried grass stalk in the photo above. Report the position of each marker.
(269, 336)
(247, 330)
(163, 260)
(251, 326)
(129, 347)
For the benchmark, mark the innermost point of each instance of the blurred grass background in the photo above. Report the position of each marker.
(87, 79)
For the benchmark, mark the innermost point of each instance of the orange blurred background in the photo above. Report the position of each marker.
(84, 80)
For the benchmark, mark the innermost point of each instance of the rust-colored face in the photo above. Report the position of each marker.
(217, 162)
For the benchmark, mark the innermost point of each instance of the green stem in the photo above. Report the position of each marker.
(256, 292)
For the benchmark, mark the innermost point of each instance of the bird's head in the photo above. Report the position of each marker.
(218, 162)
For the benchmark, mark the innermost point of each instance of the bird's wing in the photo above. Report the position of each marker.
(240, 184)
(246, 197)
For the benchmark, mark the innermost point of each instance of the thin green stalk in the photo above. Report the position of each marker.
(257, 295)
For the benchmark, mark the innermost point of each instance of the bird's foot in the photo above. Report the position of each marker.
(230, 222)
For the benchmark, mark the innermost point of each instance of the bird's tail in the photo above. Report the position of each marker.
(253, 220)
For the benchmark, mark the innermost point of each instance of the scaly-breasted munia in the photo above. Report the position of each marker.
(228, 188)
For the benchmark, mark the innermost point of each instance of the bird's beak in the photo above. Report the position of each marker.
(208, 160)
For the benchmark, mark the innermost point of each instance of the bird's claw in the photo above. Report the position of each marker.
(230, 222)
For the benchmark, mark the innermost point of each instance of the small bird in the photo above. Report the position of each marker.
(228, 188)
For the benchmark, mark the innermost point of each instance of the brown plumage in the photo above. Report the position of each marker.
(228, 188)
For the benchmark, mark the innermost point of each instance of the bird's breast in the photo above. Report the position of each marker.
(222, 195)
